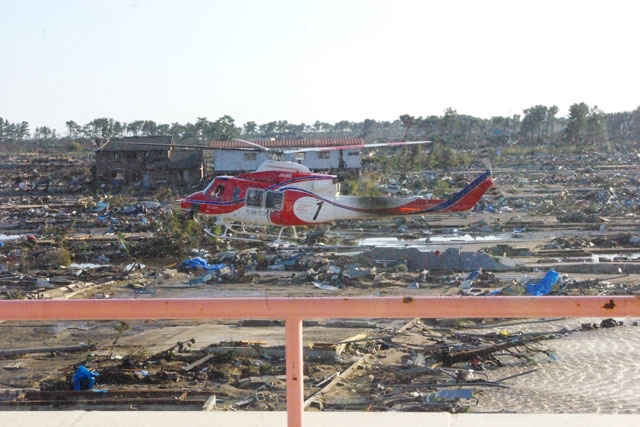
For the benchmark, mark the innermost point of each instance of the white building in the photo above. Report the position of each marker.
(228, 160)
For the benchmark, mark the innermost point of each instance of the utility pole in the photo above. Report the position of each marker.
(509, 127)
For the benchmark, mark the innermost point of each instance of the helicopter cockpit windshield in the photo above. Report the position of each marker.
(216, 189)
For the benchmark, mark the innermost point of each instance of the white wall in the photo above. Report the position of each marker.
(231, 160)
(351, 161)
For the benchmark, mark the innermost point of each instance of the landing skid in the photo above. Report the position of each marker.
(230, 233)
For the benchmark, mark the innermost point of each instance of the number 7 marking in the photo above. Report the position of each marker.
(318, 210)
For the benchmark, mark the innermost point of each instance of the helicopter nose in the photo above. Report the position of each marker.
(185, 204)
(191, 201)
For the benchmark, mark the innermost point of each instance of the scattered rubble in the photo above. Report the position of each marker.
(452, 259)
(563, 224)
(418, 366)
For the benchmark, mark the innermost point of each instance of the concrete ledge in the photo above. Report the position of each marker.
(312, 419)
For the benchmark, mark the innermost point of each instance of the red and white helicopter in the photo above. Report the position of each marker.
(288, 194)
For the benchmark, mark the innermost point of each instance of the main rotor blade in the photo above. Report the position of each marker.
(199, 147)
(259, 147)
(251, 143)
(356, 146)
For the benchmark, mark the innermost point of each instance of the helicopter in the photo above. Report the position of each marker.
(288, 194)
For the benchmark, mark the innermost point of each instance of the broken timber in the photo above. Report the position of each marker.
(451, 358)
(62, 349)
(335, 381)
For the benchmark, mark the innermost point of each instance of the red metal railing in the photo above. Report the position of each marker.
(294, 310)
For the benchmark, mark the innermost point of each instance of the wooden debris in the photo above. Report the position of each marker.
(197, 362)
(60, 349)
(210, 404)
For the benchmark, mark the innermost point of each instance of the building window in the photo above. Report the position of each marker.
(274, 200)
(132, 155)
(250, 156)
(116, 157)
(323, 154)
(254, 198)
(299, 157)
(353, 153)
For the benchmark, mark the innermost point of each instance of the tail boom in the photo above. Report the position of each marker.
(308, 208)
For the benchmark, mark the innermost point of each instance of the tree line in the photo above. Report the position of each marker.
(536, 125)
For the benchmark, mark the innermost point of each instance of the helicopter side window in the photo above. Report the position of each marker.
(274, 200)
(254, 198)
(236, 194)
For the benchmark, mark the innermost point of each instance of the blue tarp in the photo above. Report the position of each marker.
(130, 210)
(473, 275)
(201, 263)
(545, 285)
(282, 264)
(84, 379)
(100, 206)
(206, 277)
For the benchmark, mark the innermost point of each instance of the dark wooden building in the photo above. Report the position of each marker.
(136, 160)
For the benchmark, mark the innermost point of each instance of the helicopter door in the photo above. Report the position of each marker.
(254, 198)
(255, 206)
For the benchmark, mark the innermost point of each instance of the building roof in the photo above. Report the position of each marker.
(289, 143)
(133, 144)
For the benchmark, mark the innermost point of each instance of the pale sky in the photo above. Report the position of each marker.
(301, 61)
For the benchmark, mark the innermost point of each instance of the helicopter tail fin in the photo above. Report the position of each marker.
(471, 194)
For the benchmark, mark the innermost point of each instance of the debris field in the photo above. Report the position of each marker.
(562, 224)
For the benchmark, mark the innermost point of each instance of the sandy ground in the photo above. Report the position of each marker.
(596, 371)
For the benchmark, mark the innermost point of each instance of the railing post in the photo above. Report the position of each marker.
(295, 378)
